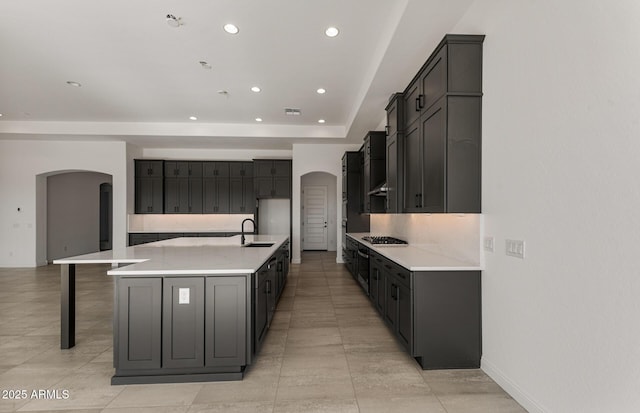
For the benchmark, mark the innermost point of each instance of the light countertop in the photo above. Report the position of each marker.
(418, 257)
(186, 256)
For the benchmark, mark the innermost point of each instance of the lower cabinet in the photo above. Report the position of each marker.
(435, 315)
(225, 337)
(265, 301)
(186, 328)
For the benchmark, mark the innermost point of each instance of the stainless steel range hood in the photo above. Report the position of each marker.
(380, 190)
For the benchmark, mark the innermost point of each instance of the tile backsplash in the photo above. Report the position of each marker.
(454, 235)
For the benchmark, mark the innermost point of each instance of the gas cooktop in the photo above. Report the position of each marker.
(385, 241)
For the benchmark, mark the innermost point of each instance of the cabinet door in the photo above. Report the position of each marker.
(236, 195)
(138, 320)
(195, 195)
(282, 168)
(464, 154)
(412, 168)
(223, 194)
(183, 322)
(149, 169)
(226, 320)
(405, 325)
(138, 239)
(149, 196)
(249, 198)
(176, 197)
(392, 174)
(411, 103)
(262, 168)
(261, 313)
(366, 179)
(374, 279)
(434, 157)
(282, 187)
(434, 82)
(263, 187)
(391, 301)
(210, 199)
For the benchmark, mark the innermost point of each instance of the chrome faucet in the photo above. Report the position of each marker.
(242, 229)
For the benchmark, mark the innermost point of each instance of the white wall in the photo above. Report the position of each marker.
(316, 158)
(23, 169)
(561, 151)
(329, 181)
(215, 154)
(73, 213)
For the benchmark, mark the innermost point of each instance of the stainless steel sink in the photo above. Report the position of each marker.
(259, 244)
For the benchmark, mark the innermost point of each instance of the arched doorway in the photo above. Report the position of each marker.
(68, 218)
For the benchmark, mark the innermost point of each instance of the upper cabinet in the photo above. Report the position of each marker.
(442, 130)
(215, 187)
(272, 178)
(149, 187)
(373, 171)
(241, 193)
(394, 153)
(182, 187)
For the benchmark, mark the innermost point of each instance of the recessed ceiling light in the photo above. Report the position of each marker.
(258, 119)
(72, 83)
(320, 120)
(231, 28)
(255, 89)
(0, 115)
(173, 21)
(321, 91)
(193, 118)
(205, 65)
(332, 32)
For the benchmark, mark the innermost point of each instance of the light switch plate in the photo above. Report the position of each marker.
(489, 244)
(183, 296)
(514, 248)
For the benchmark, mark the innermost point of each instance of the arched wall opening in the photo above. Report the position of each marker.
(68, 218)
(327, 181)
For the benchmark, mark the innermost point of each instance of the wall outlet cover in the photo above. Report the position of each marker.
(514, 248)
(489, 244)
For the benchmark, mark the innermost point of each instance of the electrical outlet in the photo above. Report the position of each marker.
(514, 248)
(489, 244)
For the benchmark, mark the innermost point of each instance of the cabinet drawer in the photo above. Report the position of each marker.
(401, 274)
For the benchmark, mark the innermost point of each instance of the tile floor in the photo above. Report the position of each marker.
(327, 351)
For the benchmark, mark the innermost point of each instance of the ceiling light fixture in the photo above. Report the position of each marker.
(321, 91)
(205, 65)
(258, 119)
(174, 21)
(231, 28)
(255, 89)
(332, 32)
(320, 120)
(193, 118)
(72, 83)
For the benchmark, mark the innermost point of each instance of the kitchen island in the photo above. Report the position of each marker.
(186, 309)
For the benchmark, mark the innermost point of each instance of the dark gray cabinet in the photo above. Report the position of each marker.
(265, 298)
(182, 187)
(394, 154)
(216, 188)
(352, 193)
(435, 315)
(182, 322)
(272, 178)
(149, 189)
(442, 114)
(241, 191)
(138, 335)
(225, 336)
(373, 171)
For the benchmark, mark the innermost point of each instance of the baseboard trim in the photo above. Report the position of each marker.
(515, 391)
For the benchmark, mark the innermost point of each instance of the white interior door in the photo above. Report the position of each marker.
(314, 222)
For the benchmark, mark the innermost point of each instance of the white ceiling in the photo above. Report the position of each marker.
(142, 80)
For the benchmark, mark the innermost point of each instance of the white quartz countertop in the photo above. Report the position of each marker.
(418, 257)
(186, 256)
